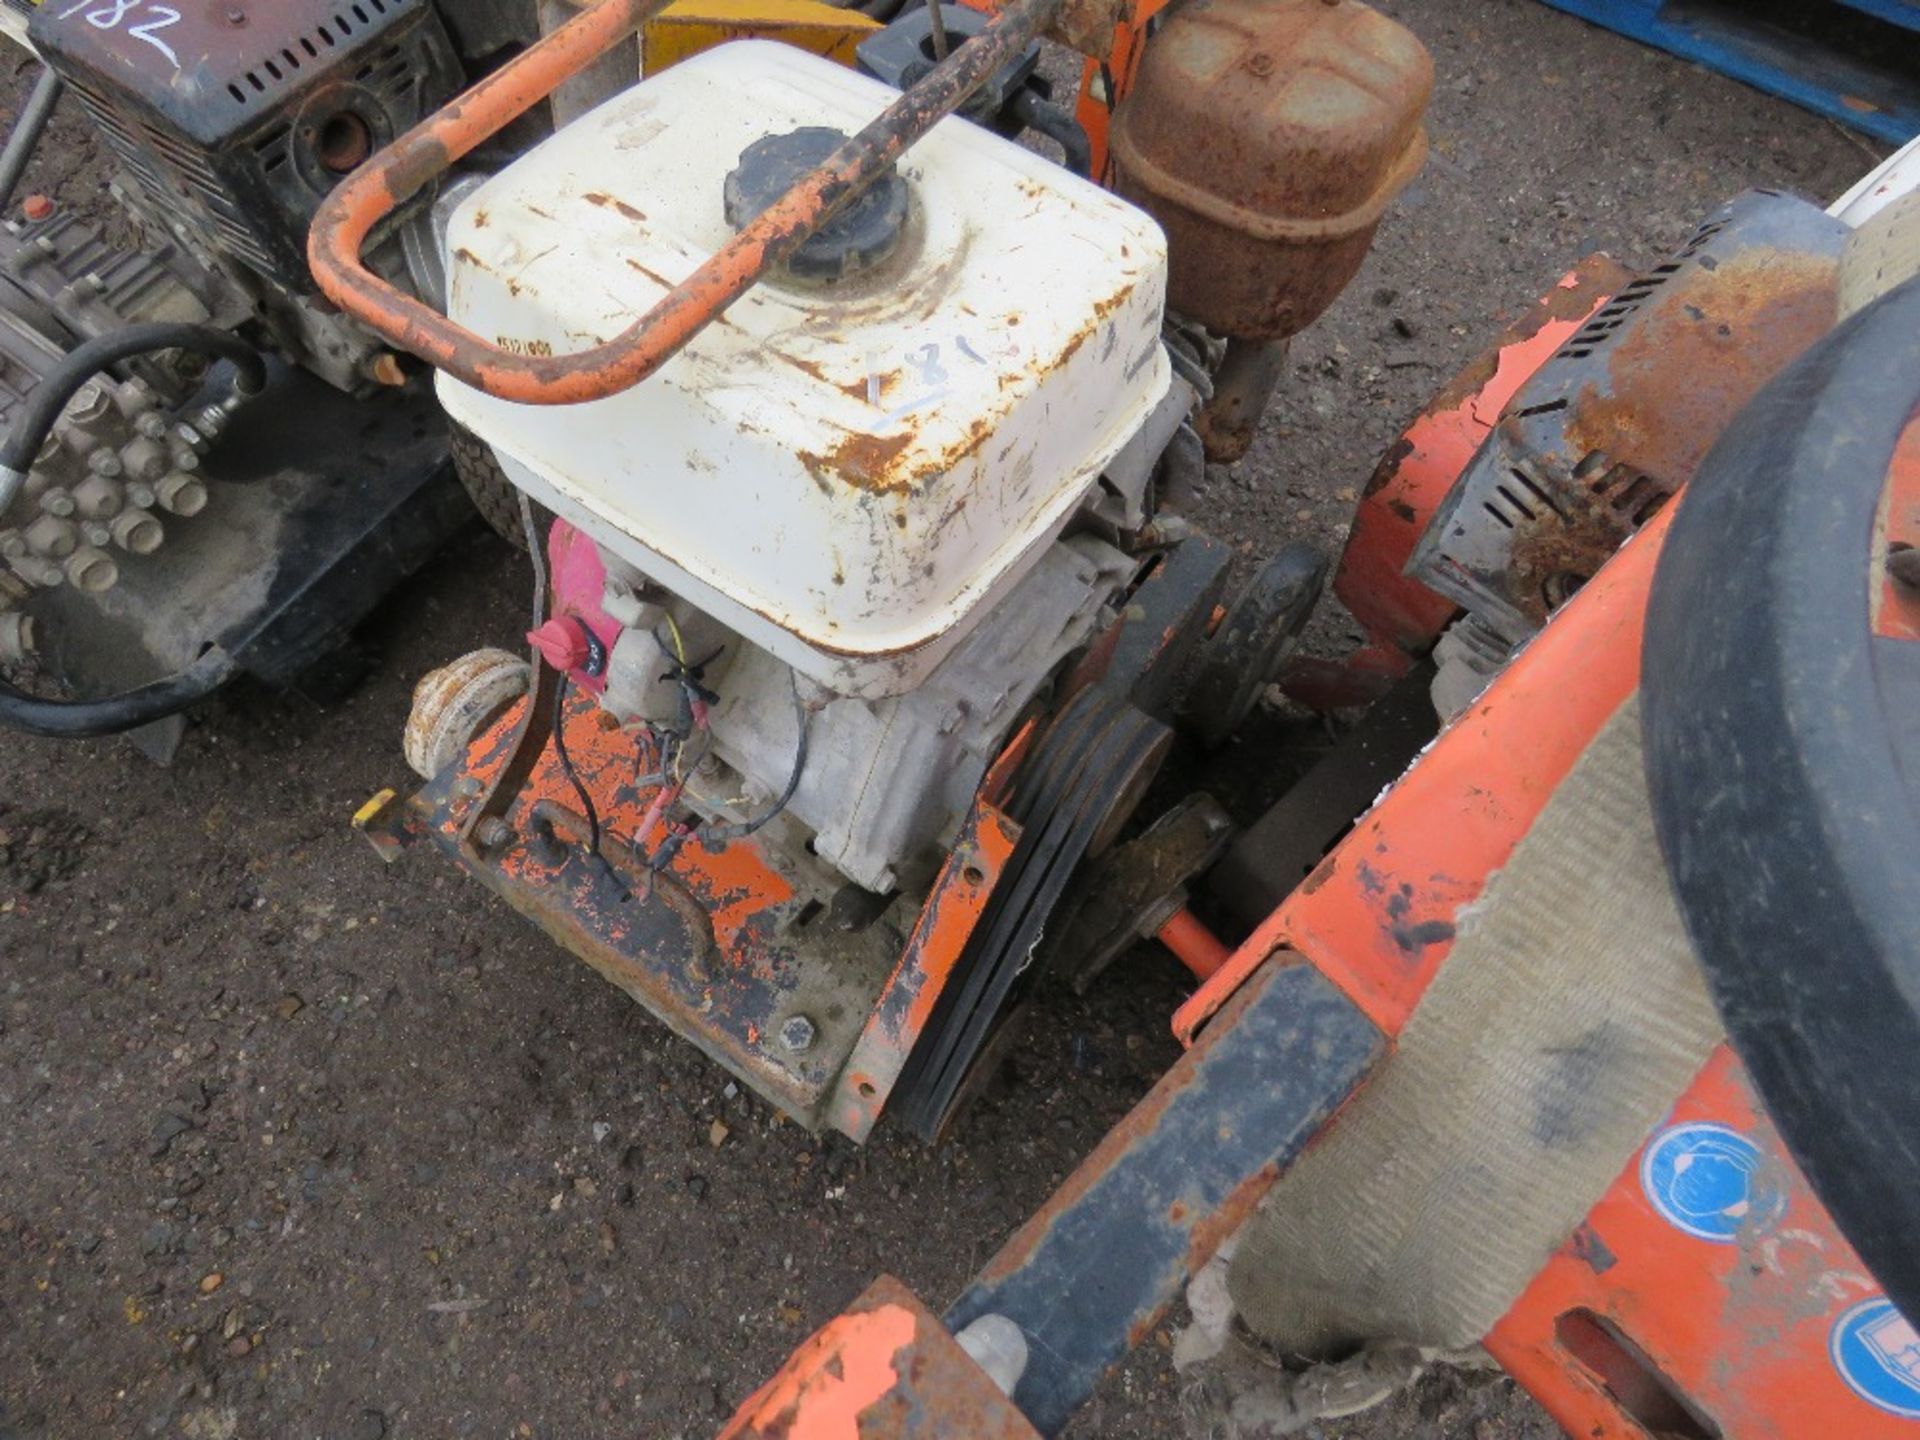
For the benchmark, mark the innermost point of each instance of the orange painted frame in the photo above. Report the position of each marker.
(740, 890)
(1743, 1329)
(885, 1369)
(1897, 611)
(1377, 914)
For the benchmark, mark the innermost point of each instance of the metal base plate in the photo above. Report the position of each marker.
(727, 945)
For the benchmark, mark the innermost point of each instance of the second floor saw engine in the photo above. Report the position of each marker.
(867, 621)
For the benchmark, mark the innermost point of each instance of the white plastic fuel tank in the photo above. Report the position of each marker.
(845, 473)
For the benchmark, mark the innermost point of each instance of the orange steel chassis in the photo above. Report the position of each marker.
(1633, 1321)
(1742, 1331)
(722, 979)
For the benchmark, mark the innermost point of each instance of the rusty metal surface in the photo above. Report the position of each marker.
(1088, 26)
(1242, 388)
(1247, 647)
(453, 703)
(1170, 1182)
(1135, 889)
(901, 1013)
(1268, 137)
(1145, 653)
(725, 945)
(401, 171)
(1402, 617)
(497, 793)
(884, 1369)
(1619, 419)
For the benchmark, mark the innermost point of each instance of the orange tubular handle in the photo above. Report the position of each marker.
(426, 152)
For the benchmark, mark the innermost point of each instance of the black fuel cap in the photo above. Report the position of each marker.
(861, 235)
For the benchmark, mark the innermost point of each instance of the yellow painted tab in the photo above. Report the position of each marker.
(370, 811)
(690, 26)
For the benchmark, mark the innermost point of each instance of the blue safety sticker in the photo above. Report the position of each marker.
(1704, 1180)
(1878, 1354)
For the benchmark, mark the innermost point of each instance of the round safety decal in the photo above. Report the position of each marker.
(1704, 1180)
(1878, 1354)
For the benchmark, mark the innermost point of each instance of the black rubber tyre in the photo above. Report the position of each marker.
(1783, 759)
(487, 485)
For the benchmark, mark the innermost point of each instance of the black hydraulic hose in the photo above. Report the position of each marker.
(50, 397)
(27, 131)
(82, 719)
(1056, 122)
(88, 719)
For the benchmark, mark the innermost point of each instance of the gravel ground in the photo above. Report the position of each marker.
(300, 1145)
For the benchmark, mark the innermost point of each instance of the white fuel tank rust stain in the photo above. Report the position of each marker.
(847, 474)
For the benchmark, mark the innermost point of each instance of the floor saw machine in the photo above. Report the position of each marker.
(850, 439)
(869, 612)
(1576, 1039)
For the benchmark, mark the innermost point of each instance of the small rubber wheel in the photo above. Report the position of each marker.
(486, 484)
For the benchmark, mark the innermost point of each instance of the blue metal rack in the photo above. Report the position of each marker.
(1857, 61)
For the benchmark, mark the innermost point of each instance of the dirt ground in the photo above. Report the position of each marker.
(302, 1145)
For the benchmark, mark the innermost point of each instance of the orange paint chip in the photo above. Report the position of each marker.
(811, 1400)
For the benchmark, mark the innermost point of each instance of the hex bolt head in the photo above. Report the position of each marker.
(797, 1033)
(493, 832)
(91, 404)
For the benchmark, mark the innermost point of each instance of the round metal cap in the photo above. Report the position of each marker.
(861, 235)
